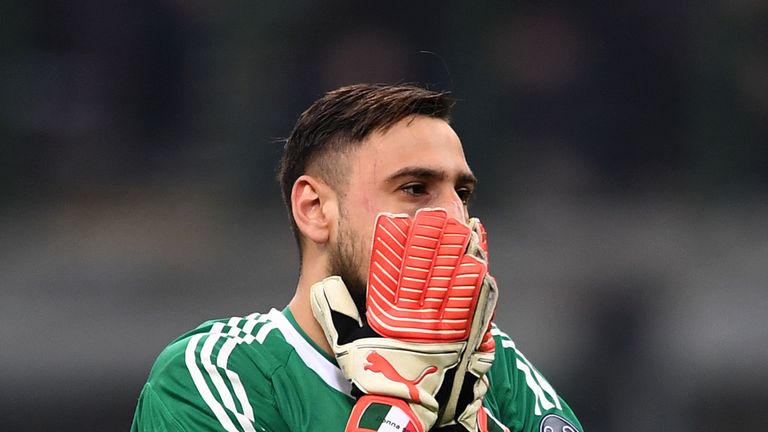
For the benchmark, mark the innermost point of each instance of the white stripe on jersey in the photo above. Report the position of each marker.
(264, 331)
(329, 372)
(234, 378)
(213, 372)
(202, 386)
(223, 357)
(506, 341)
(232, 339)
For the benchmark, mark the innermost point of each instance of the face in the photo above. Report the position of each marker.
(417, 163)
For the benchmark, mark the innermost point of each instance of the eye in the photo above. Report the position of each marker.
(414, 189)
(465, 194)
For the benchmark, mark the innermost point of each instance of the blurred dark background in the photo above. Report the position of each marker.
(622, 151)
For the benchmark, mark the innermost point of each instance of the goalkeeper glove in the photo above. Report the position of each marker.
(422, 298)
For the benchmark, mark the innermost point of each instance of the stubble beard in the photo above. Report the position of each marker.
(347, 261)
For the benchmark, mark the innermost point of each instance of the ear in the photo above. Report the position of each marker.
(314, 207)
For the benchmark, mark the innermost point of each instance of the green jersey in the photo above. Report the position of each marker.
(262, 373)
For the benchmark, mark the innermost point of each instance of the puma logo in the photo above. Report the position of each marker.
(379, 364)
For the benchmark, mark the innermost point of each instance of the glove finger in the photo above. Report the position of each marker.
(390, 237)
(479, 247)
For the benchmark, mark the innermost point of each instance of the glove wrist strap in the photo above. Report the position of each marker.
(374, 413)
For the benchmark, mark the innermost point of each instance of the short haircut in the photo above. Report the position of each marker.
(340, 121)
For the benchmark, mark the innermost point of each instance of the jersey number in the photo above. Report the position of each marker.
(546, 398)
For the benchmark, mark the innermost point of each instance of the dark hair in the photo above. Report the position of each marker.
(340, 121)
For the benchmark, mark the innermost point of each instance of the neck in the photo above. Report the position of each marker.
(312, 271)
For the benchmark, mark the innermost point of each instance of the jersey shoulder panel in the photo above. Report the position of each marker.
(217, 376)
(525, 400)
(253, 373)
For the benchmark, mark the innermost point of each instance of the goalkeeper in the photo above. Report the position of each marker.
(390, 326)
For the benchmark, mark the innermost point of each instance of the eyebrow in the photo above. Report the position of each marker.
(424, 173)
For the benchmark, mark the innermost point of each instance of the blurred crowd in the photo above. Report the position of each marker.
(622, 152)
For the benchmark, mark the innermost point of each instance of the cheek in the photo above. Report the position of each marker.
(364, 237)
(359, 223)
(369, 208)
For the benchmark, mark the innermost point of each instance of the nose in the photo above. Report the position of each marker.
(452, 204)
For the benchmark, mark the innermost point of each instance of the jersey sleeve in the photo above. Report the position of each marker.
(152, 415)
(207, 382)
(524, 399)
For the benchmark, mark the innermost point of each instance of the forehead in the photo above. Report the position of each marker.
(412, 142)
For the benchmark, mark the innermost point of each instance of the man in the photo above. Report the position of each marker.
(359, 158)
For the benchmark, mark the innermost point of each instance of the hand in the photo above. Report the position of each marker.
(463, 408)
(423, 294)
